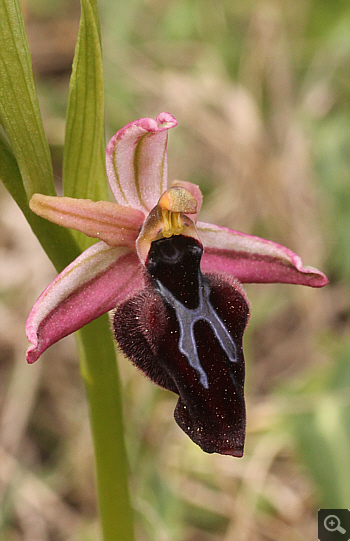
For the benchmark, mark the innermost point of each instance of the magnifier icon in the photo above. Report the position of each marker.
(332, 524)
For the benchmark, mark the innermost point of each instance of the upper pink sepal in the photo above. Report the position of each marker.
(136, 162)
(94, 283)
(253, 259)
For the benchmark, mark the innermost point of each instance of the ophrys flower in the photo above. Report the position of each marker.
(175, 284)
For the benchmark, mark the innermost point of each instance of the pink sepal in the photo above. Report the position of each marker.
(136, 162)
(99, 279)
(252, 259)
(114, 224)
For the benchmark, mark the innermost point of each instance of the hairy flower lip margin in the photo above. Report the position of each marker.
(136, 162)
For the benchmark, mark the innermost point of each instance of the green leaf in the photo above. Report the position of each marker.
(84, 170)
(19, 107)
(27, 170)
(57, 242)
(84, 174)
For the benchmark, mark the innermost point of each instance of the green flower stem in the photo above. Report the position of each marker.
(100, 372)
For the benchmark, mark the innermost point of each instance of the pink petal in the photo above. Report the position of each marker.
(94, 283)
(195, 191)
(136, 162)
(252, 259)
(112, 223)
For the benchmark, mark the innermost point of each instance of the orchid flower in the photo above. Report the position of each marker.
(174, 284)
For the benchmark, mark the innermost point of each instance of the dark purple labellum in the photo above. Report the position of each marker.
(184, 330)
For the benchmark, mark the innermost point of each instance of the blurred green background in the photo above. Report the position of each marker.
(261, 92)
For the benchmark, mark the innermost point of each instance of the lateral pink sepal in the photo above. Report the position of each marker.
(99, 279)
(136, 162)
(253, 260)
(110, 222)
